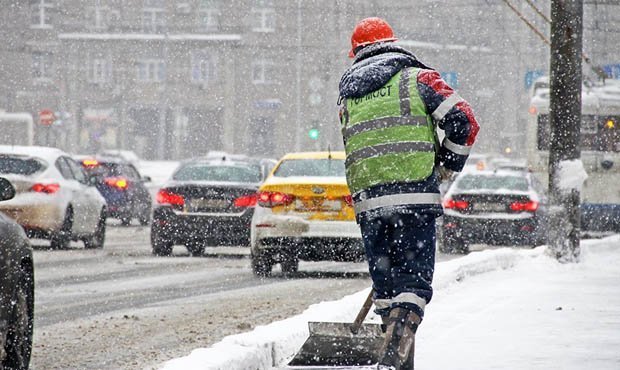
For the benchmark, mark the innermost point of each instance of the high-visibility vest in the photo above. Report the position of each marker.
(388, 135)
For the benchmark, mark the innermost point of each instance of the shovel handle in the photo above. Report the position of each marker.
(355, 326)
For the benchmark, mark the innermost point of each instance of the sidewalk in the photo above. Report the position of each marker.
(495, 309)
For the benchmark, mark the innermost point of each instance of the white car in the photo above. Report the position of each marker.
(54, 199)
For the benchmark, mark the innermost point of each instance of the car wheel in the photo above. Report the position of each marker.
(196, 249)
(61, 238)
(18, 345)
(161, 246)
(454, 245)
(98, 238)
(145, 216)
(289, 264)
(262, 264)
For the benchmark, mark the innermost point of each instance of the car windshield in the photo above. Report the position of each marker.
(113, 170)
(311, 167)
(202, 172)
(482, 182)
(20, 165)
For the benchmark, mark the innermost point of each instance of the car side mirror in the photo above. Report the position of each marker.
(92, 180)
(147, 178)
(7, 190)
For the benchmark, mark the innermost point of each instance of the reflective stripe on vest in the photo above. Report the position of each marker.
(383, 149)
(389, 136)
(396, 200)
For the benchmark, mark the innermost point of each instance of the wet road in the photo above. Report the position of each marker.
(122, 308)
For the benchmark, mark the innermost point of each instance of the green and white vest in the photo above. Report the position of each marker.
(388, 135)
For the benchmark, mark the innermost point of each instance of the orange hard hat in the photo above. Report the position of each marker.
(369, 31)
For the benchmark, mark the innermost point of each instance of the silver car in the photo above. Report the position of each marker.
(54, 198)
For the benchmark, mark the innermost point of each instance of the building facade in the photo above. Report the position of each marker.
(175, 79)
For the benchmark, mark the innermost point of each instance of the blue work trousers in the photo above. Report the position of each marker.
(401, 256)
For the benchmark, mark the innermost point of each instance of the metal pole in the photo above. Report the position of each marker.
(565, 122)
(163, 105)
(298, 131)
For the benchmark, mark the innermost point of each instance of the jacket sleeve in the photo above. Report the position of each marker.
(453, 115)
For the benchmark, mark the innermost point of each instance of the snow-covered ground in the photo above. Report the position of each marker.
(495, 309)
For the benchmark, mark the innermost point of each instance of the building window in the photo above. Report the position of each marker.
(203, 67)
(41, 65)
(151, 70)
(99, 70)
(154, 16)
(208, 16)
(263, 72)
(41, 13)
(264, 17)
(101, 17)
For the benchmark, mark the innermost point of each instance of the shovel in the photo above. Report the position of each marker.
(337, 344)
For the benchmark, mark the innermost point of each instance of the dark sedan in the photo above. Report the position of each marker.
(122, 186)
(493, 207)
(16, 290)
(208, 201)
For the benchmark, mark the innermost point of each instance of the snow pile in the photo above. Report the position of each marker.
(276, 343)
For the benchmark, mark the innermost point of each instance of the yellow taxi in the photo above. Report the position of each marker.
(304, 211)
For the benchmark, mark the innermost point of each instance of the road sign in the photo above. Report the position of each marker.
(451, 78)
(531, 76)
(47, 117)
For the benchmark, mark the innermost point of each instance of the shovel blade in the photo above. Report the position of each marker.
(332, 344)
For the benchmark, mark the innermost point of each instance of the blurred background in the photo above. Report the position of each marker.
(174, 79)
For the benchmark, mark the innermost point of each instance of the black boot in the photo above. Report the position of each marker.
(398, 347)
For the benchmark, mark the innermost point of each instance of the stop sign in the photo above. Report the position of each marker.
(46, 117)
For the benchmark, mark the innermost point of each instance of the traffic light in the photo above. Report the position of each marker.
(313, 133)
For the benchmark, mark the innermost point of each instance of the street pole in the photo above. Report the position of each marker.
(565, 122)
(298, 131)
(163, 105)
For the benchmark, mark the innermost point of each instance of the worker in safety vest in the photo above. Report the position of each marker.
(391, 105)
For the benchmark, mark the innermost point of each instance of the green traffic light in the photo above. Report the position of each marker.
(313, 133)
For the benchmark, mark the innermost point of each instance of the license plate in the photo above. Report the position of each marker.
(318, 205)
(489, 207)
(198, 204)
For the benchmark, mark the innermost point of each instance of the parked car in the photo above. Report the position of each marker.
(16, 290)
(304, 211)
(122, 186)
(493, 207)
(208, 201)
(54, 198)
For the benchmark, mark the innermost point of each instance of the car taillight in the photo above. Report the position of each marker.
(45, 188)
(246, 201)
(168, 197)
(455, 204)
(90, 163)
(348, 199)
(117, 182)
(529, 206)
(272, 199)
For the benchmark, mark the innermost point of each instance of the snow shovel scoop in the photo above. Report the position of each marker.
(341, 345)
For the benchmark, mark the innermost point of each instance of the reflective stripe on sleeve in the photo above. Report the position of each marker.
(456, 148)
(396, 200)
(445, 106)
(381, 123)
(403, 92)
(383, 149)
(409, 297)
